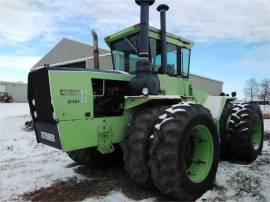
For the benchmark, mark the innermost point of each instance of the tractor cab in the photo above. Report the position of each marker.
(124, 47)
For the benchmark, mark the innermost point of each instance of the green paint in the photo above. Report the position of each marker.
(256, 134)
(72, 98)
(203, 154)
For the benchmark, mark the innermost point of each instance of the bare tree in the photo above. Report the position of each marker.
(252, 89)
(265, 90)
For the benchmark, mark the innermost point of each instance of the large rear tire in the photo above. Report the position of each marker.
(246, 131)
(136, 145)
(184, 153)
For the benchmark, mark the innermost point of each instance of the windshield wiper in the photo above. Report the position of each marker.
(131, 45)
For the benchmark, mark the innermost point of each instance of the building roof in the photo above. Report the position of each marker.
(66, 50)
(13, 82)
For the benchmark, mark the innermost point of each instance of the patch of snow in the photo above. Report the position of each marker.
(183, 104)
(157, 126)
(245, 129)
(265, 109)
(13, 109)
(172, 110)
(235, 182)
(267, 124)
(163, 116)
(25, 165)
(115, 197)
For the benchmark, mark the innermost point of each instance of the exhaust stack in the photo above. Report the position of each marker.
(162, 8)
(95, 51)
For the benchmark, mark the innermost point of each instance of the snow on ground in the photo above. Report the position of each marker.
(27, 166)
(236, 182)
(13, 109)
(265, 109)
(267, 124)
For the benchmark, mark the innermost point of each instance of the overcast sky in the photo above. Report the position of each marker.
(232, 37)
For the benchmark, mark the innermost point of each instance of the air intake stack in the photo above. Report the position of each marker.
(145, 77)
(144, 28)
(162, 8)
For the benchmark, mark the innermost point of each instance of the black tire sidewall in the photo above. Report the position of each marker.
(256, 112)
(190, 186)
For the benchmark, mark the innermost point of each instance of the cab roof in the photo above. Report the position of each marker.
(153, 32)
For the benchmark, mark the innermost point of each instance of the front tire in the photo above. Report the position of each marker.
(184, 153)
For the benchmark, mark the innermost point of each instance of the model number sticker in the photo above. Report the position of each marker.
(47, 136)
(69, 92)
(73, 101)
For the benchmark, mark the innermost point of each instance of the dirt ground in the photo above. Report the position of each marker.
(101, 182)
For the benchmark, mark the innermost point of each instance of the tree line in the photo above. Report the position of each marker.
(255, 91)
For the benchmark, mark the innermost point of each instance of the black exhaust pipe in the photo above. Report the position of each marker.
(95, 51)
(144, 28)
(145, 77)
(162, 8)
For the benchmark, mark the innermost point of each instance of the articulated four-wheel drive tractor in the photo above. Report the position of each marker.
(169, 134)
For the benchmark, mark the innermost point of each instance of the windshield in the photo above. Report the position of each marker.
(125, 53)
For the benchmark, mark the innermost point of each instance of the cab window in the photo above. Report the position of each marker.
(125, 54)
(172, 59)
(185, 61)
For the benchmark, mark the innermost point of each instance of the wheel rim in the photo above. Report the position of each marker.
(199, 154)
(256, 135)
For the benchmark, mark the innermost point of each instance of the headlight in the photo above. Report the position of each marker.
(145, 91)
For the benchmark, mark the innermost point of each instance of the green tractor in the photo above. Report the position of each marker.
(169, 134)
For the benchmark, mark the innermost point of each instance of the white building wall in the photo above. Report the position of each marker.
(17, 90)
(2, 88)
(211, 86)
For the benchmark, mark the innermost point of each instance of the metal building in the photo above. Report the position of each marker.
(17, 90)
(77, 54)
